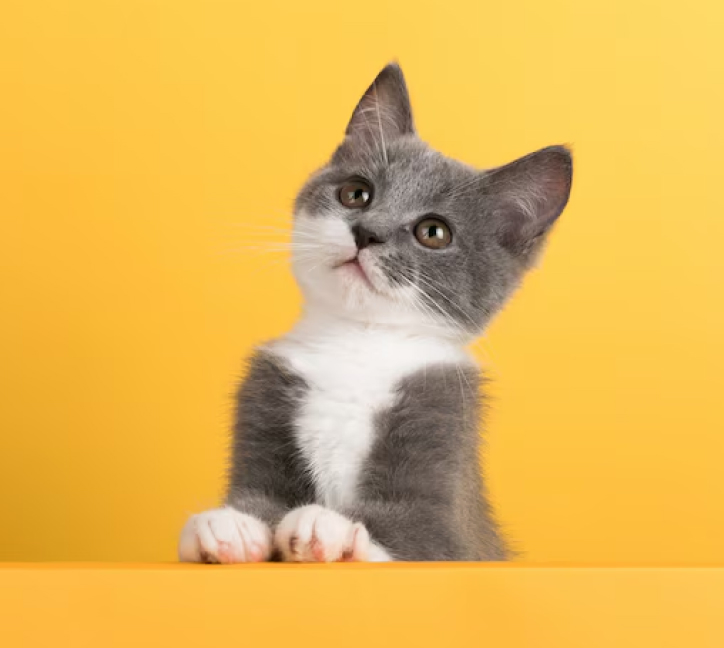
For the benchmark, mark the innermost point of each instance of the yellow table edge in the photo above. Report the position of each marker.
(113, 604)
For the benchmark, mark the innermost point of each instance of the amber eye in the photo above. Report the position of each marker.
(355, 194)
(433, 233)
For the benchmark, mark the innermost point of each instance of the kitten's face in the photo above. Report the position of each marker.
(390, 231)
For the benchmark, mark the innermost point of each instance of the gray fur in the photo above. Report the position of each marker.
(499, 217)
(384, 112)
(421, 494)
(267, 477)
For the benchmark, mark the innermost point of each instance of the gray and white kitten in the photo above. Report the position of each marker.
(356, 434)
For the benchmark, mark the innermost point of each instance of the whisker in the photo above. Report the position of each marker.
(267, 249)
(379, 123)
(429, 281)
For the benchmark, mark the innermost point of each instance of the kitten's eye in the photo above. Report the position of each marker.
(355, 194)
(433, 233)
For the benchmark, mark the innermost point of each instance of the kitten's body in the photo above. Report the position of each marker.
(367, 394)
(356, 434)
(353, 372)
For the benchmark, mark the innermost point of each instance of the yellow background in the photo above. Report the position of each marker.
(137, 138)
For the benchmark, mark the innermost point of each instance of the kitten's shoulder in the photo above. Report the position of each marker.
(267, 369)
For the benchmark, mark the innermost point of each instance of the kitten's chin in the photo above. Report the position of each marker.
(353, 272)
(348, 294)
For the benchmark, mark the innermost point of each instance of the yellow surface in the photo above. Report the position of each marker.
(360, 605)
(139, 137)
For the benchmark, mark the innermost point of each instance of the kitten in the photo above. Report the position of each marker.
(356, 434)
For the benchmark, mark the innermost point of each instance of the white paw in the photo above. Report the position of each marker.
(224, 536)
(316, 534)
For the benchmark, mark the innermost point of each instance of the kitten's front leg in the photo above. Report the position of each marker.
(266, 477)
(317, 534)
(225, 536)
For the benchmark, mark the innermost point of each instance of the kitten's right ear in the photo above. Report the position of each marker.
(384, 112)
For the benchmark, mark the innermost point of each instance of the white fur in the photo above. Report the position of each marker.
(320, 246)
(224, 535)
(317, 534)
(352, 371)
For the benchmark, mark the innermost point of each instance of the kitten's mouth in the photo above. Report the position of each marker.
(353, 266)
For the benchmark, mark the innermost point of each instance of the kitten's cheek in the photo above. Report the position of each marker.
(303, 273)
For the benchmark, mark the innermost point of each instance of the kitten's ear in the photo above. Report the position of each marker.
(384, 110)
(528, 195)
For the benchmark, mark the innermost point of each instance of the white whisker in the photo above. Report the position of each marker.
(379, 123)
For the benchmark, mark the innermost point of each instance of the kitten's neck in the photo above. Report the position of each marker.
(321, 323)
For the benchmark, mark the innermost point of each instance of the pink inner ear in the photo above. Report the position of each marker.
(557, 188)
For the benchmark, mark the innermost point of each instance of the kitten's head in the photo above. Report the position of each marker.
(391, 231)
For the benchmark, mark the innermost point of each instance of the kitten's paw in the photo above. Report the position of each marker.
(316, 534)
(224, 536)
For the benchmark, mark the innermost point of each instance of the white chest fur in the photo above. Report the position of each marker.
(352, 372)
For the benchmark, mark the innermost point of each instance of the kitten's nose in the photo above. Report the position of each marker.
(364, 238)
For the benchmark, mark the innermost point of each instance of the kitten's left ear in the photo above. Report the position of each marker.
(384, 110)
(527, 196)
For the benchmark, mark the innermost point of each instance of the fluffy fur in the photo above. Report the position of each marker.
(356, 435)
